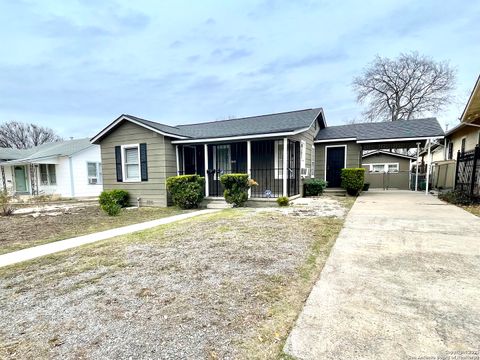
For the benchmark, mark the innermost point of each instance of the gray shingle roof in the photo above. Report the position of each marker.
(60, 148)
(263, 124)
(418, 128)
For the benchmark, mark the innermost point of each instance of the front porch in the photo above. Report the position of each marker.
(273, 164)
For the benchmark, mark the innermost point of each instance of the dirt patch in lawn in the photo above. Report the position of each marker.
(61, 222)
(222, 286)
(474, 209)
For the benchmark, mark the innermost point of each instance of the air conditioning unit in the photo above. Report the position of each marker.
(92, 181)
(304, 172)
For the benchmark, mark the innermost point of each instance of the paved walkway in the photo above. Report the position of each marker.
(402, 282)
(51, 248)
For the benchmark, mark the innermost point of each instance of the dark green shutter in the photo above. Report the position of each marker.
(118, 163)
(143, 162)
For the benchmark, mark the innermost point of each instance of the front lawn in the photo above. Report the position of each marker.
(224, 285)
(23, 230)
(474, 209)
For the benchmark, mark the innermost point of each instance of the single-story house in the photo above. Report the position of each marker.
(278, 150)
(462, 138)
(387, 169)
(69, 168)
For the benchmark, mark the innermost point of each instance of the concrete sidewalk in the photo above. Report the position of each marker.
(402, 282)
(57, 246)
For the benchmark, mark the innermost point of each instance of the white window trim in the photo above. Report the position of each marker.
(326, 153)
(312, 162)
(124, 172)
(49, 180)
(385, 167)
(98, 175)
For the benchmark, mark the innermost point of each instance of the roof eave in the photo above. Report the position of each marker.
(97, 138)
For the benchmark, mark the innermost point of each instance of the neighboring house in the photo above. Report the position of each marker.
(66, 168)
(278, 150)
(387, 170)
(461, 139)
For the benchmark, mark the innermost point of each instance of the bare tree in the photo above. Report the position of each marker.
(14, 134)
(399, 89)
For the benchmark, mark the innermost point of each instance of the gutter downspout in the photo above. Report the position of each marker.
(72, 182)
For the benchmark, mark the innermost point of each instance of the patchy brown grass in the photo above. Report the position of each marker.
(227, 285)
(22, 231)
(474, 209)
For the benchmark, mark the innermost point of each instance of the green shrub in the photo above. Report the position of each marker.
(366, 186)
(456, 197)
(352, 180)
(283, 201)
(111, 208)
(236, 188)
(314, 187)
(117, 196)
(186, 190)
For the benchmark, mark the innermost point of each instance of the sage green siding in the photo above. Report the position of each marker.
(398, 180)
(161, 163)
(354, 155)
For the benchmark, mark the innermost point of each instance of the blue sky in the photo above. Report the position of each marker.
(76, 65)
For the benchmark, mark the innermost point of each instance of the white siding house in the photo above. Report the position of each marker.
(67, 169)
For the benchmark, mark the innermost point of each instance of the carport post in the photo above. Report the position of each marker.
(207, 190)
(428, 166)
(416, 167)
(285, 164)
(249, 165)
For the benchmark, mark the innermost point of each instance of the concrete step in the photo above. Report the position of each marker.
(335, 192)
(216, 204)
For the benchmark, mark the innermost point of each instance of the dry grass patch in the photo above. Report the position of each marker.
(225, 285)
(474, 209)
(23, 231)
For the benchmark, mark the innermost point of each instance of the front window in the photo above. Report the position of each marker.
(450, 151)
(94, 173)
(131, 163)
(464, 141)
(48, 175)
(378, 168)
(392, 168)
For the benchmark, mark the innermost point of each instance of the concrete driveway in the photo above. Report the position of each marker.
(402, 282)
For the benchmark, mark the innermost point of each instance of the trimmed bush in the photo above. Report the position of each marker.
(186, 190)
(283, 201)
(314, 187)
(352, 180)
(236, 188)
(118, 196)
(456, 197)
(112, 201)
(112, 209)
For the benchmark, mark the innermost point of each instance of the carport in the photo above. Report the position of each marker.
(342, 146)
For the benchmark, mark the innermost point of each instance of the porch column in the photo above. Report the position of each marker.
(178, 159)
(249, 164)
(429, 157)
(416, 167)
(285, 164)
(207, 192)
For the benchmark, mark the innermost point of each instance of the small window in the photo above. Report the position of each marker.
(48, 175)
(303, 153)
(43, 174)
(464, 141)
(94, 173)
(392, 168)
(131, 163)
(450, 151)
(378, 168)
(478, 140)
(52, 174)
